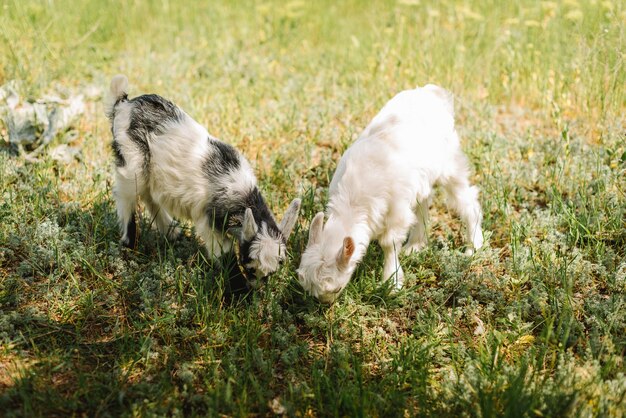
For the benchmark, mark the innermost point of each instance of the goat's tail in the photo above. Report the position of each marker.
(118, 92)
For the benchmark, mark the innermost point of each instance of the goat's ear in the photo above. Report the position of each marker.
(290, 218)
(249, 226)
(315, 230)
(345, 253)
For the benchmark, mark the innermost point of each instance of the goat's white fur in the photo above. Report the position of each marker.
(382, 189)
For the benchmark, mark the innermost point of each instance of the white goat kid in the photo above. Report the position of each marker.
(382, 188)
(179, 170)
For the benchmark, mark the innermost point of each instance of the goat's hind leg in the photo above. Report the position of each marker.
(164, 221)
(125, 194)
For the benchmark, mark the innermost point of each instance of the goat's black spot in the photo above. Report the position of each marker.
(131, 232)
(122, 98)
(117, 152)
(149, 116)
(260, 212)
(151, 112)
(226, 214)
(244, 250)
(228, 155)
(218, 213)
(222, 159)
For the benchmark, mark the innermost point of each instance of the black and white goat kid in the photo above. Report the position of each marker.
(169, 160)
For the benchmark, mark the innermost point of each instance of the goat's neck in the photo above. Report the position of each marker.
(346, 222)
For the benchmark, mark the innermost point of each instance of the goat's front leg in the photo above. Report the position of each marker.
(216, 243)
(417, 236)
(400, 218)
(463, 198)
(391, 267)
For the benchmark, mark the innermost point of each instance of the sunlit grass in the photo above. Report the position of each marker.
(532, 325)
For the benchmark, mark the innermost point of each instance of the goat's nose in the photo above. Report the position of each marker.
(329, 297)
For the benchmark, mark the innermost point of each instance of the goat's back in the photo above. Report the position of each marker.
(412, 139)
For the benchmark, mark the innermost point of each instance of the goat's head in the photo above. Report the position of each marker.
(263, 247)
(327, 263)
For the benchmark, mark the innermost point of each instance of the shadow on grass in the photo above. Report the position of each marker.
(81, 334)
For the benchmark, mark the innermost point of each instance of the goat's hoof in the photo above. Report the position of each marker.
(131, 244)
(173, 234)
(129, 241)
(397, 280)
(413, 249)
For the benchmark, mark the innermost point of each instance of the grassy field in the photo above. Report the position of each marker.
(534, 324)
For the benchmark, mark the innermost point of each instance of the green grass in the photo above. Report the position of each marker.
(533, 325)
